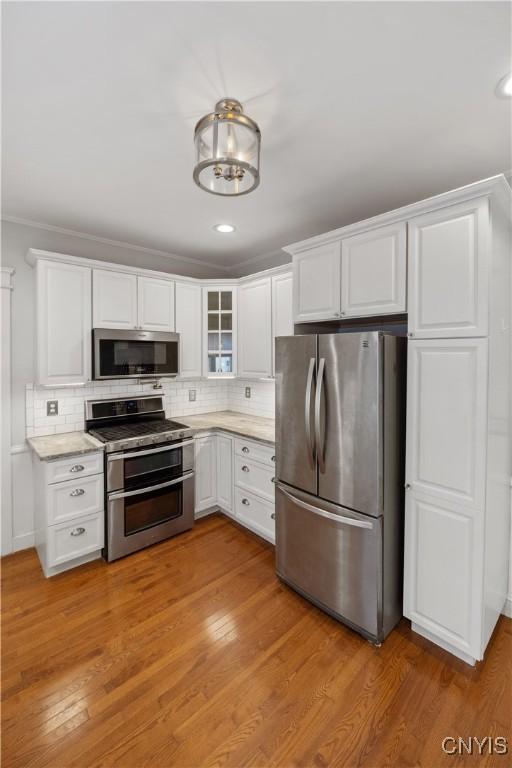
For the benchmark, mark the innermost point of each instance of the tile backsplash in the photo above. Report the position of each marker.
(211, 395)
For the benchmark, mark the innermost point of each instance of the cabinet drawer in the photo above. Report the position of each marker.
(74, 467)
(66, 541)
(257, 451)
(255, 477)
(73, 498)
(255, 513)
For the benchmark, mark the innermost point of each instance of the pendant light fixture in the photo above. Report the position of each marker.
(227, 144)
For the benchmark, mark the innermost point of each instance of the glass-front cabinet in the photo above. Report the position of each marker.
(219, 327)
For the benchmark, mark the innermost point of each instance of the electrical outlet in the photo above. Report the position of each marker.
(191, 395)
(247, 391)
(52, 407)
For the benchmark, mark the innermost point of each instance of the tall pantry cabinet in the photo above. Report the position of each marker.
(458, 469)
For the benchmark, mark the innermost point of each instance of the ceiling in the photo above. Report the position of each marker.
(362, 107)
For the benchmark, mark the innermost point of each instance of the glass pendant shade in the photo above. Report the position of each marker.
(227, 145)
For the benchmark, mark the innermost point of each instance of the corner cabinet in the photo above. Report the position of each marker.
(448, 271)
(255, 329)
(220, 331)
(189, 326)
(63, 333)
(206, 472)
(123, 300)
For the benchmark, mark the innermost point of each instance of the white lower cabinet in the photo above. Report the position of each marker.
(70, 517)
(206, 472)
(228, 479)
(225, 472)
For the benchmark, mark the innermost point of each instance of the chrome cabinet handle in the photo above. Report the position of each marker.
(319, 437)
(246, 502)
(245, 449)
(407, 486)
(77, 468)
(273, 480)
(245, 468)
(272, 458)
(77, 531)
(273, 516)
(77, 492)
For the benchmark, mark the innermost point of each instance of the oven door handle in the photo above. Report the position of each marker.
(140, 491)
(135, 454)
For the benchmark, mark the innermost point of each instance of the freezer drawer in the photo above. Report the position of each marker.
(333, 556)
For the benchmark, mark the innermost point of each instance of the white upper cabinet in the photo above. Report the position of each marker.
(316, 283)
(373, 272)
(114, 299)
(282, 309)
(219, 331)
(122, 300)
(189, 326)
(448, 271)
(255, 329)
(155, 304)
(63, 300)
(446, 419)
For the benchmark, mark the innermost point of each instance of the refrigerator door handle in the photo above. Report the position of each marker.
(319, 437)
(307, 411)
(328, 515)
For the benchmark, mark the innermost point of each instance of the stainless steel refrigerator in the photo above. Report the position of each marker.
(340, 416)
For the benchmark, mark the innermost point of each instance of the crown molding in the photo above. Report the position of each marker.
(115, 243)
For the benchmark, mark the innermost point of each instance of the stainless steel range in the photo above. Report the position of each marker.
(149, 472)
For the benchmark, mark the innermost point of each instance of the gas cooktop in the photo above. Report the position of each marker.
(124, 424)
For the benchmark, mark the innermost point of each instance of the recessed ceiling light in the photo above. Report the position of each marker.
(224, 228)
(504, 87)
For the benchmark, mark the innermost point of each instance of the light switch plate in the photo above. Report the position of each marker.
(191, 395)
(247, 391)
(52, 407)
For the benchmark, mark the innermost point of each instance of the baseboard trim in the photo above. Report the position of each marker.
(205, 512)
(507, 608)
(25, 541)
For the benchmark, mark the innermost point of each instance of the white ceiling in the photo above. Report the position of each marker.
(362, 106)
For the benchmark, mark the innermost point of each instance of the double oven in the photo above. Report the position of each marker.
(150, 495)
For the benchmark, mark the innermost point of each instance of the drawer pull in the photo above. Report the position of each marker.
(273, 480)
(273, 516)
(245, 449)
(77, 468)
(245, 468)
(246, 502)
(77, 531)
(77, 492)
(272, 458)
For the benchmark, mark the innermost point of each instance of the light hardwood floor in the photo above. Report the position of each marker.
(192, 653)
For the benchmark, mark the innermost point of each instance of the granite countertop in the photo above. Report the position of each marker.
(255, 427)
(50, 447)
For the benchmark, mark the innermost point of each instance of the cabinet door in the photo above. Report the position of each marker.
(443, 571)
(206, 472)
(282, 309)
(189, 327)
(225, 472)
(373, 272)
(114, 299)
(155, 304)
(446, 419)
(220, 331)
(255, 329)
(448, 271)
(316, 283)
(63, 298)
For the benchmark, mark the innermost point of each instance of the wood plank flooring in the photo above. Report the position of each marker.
(192, 653)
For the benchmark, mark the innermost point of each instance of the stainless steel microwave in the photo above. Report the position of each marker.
(134, 354)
